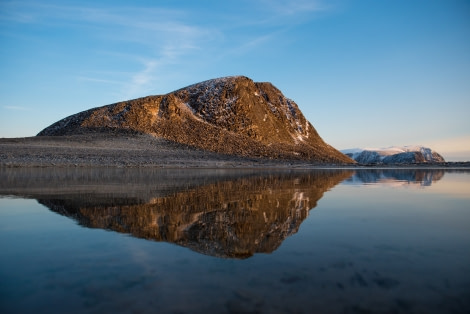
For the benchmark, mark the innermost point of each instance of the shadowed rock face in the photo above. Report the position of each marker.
(231, 215)
(413, 157)
(231, 115)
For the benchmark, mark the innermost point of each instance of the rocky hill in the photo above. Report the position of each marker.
(394, 155)
(230, 115)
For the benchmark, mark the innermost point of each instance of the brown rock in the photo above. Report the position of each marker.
(231, 115)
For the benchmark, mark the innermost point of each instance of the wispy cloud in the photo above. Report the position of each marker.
(149, 37)
(143, 43)
(293, 7)
(141, 80)
(126, 23)
(277, 13)
(267, 21)
(16, 108)
(98, 80)
(248, 44)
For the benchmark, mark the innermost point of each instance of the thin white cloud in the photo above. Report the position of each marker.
(277, 13)
(249, 45)
(126, 22)
(16, 108)
(150, 40)
(142, 80)
(293, 7)
(157, 37)
(98, 80)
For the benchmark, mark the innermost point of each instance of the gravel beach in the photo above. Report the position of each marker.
(119, 150)
(107, 149)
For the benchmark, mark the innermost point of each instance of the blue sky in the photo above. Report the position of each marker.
(364, 73)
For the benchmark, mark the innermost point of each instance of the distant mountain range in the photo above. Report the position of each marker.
(394, 155)
(229, 115)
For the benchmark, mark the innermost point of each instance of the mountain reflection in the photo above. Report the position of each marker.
(232, 214)
(224, 214)
(421, 177)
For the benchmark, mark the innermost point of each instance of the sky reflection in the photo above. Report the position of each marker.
(359, 249)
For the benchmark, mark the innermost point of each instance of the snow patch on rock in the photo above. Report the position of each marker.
(394, 154)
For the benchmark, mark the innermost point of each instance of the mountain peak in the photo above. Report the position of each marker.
(230, 115)
(394, 154)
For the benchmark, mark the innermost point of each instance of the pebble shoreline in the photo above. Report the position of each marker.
(142, 150)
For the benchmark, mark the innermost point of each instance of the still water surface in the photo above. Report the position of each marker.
(220, 241)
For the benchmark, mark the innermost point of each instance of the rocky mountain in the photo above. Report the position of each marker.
(394, 155)
(230, 115)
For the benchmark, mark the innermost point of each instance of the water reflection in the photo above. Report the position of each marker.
(223, 213)
(232, 214)
(420, 177)
(363, 250)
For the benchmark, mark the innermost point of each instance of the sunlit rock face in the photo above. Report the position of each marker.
(230, 115)
(230, 218)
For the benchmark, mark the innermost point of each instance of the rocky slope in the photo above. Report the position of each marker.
(394, 155)
(231, 115)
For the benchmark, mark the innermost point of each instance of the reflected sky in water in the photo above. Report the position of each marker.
(174, 241)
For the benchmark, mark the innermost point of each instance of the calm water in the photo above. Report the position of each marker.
(385, 241)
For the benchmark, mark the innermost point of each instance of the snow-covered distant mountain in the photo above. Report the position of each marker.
(394, 155)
